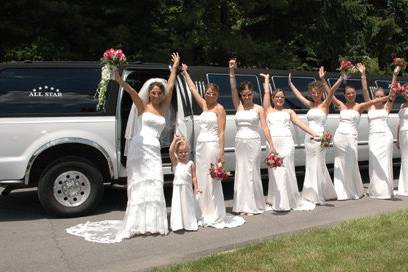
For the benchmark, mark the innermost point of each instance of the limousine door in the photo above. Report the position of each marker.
(185, 114)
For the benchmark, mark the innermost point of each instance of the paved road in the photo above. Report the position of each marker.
(30, 241)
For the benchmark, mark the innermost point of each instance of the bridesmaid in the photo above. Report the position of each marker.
(210, 149)
(402, 144)
(347, 179)
(380, 141)
(317, 186)
(248, 193)
(283, 192)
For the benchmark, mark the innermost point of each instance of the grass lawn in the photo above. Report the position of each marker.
(371, 244)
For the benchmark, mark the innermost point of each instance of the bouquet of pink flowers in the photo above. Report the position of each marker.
(347, 66)
(111, 60)
(398, 88)
(326, 139)
(218, 172)
(274, 160)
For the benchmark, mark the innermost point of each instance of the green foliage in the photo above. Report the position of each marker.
(280, 34)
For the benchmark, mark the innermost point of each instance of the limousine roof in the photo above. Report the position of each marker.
(195, 70)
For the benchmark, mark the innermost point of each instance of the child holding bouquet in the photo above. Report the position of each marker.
(183, 203)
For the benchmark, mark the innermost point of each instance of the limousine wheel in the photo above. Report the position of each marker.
(70, 187)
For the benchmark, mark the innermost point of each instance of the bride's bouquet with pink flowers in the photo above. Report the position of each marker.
(347, 67)
(111, 60)
(398, 88)
(326, 139)
(218, 172)
(274, 160)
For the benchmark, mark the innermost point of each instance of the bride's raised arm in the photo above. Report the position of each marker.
(132, 92)
(193, 89)
(175, 58)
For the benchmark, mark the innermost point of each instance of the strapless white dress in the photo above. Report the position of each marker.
(146, 207)
(347, 178)
(211, 206)
(183, 210)
(318, 185)
(403, 141)
(248, 192)
(283, 191)
(380, 143)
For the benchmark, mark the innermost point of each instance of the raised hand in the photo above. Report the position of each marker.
(175, 59)
(344, 76)
(361, 68)
(290, 79)
(184, 67)
(266, 77)
(232, 64)
(322, 72)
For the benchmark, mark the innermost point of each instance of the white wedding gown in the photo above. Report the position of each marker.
(403, 142)
(380, 142)
(317, 185)
(183, 210)
(347, 178)
(146, 207)
(211, 206)
(283, 191)
(248, 191)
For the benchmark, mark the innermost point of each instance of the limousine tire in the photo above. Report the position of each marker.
(72, 186)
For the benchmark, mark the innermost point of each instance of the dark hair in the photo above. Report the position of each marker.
(348, 87)
(213, 87)
(245, 85)
(315, 84)
(156, 84)
(274, 93)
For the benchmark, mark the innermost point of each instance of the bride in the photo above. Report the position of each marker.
(146, 207)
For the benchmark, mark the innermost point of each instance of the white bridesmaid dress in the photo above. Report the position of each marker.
(283, 191)
(211, 206)
(347, 178)
(146, 207)
(380, 143)
(183, 210)
(403, 141)
(248, 191)
(317, 185)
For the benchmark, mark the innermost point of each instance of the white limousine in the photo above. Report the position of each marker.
(52, 137)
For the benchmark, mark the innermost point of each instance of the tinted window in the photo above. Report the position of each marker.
(385, 84)
(222, 80)
(48, 91)
(301, 83)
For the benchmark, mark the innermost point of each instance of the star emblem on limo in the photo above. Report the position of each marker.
(45, 91)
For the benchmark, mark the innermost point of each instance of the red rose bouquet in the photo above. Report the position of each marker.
(347, 66)
(218, 172)
(274, 160)
(326, 139)
(398, 88)
(111, 60)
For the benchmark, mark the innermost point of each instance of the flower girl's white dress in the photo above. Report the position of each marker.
(183, 203)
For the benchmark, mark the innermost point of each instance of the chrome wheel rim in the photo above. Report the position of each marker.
(71, 188)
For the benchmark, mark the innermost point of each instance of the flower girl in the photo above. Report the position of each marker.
(183, 203)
